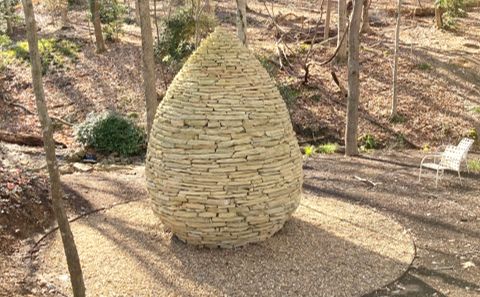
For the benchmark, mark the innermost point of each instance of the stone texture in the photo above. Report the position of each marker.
(223, 165)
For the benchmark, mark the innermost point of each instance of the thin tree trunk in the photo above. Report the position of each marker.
(351, 147)
(69, 246)
(326, 33)
(393, 112)
(148, 62)
(97, 27)
(156, 20)
(365, 17)
(8, 15)
(208, 7)
(242, 21)
(438, 17)
(342, 28)
(137, 13)
(64, 18)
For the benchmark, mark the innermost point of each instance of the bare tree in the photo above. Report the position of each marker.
(148, 62)
(97, 27)
(69, 246)
(64, 13)
(351, 147)
(326, 32)
(393, 112)
(242, 20)
(155, 15)
(8, 7)
(342, 28)
(137, 13)
(439, 11)
(365, 17)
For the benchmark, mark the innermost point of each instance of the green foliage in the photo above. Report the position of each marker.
(5, 42)
(309, 151)
(177, 41)
(112, 15)
(397, 119)
(476, 109)
(53, 52)
(328, 148)
(453, 9)
(271, 68)
(472, 133)
(289, 94)
(474, 165)
(367, 142)
(424, 66)
(110, 132)
(7, 11)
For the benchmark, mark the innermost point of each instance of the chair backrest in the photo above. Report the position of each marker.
(465, 145)
(452, 158)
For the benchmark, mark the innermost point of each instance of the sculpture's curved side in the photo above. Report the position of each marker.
(223, 164)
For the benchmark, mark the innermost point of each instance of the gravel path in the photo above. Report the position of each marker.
(328, 248)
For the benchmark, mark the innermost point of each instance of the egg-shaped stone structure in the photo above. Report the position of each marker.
(223, 164)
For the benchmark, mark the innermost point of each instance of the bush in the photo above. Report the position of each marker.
(309, 151)
(367, 142)
(289, 94)
(328, 148)
(474, 165)
(52, 52)
(110, 132)
(177, 41)
(112, 14)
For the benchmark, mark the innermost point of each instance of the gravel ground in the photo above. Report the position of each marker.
(328, 248)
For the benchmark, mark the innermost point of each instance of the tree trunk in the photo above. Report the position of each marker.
(97, 27)
(64, 17)
(69, 246)
(351, 147)
(242, 21)
(156, 19)
(8, 16)
(148, 62)
(137, 13)
(342, 28)
(365, 17)
(438, 17)
(326, 33)
(393, 112)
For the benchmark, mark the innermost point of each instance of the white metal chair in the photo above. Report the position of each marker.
(465, 145)
(450, 159)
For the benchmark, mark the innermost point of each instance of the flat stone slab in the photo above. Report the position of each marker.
(328, 248)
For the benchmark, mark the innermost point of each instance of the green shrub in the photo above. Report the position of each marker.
(110, 132)
(289, 94)
(52, 52)
(328, 148)
(367, 142)
(474, 165)
(5, 42)
(309, 151)
(177, 41)
(271, 68)
(112, 15)
(424, 66)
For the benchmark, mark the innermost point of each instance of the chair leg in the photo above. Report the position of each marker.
(436, 179)
(459, 176)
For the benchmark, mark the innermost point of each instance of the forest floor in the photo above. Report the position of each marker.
(439, 101)
(443, 221)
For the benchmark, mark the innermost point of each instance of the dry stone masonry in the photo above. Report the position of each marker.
(223, 165)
